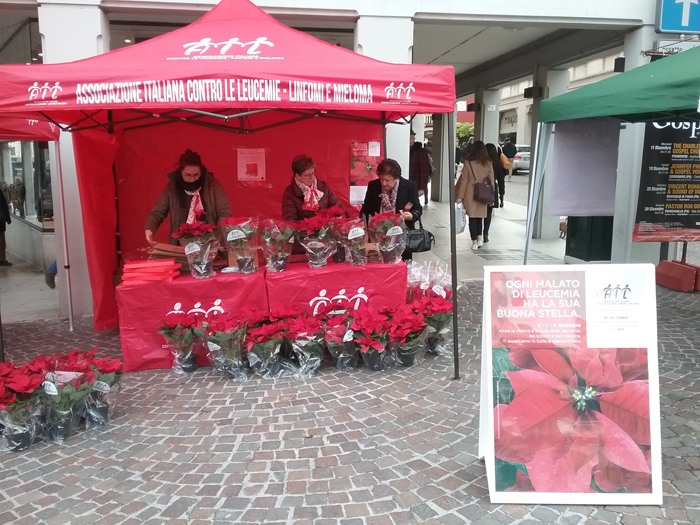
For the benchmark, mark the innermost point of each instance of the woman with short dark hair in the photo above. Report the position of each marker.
(477, 167)
(306, 195)
(392, 193)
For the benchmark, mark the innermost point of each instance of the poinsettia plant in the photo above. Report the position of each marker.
(241, 235)
(317, 227)
(265, 341)
(370, 329)
(20, 387)
(194, 229)
(352, 233)
(436, 310)
(277, 236)
(227, 332)
(69, 383)
(109, 373)
(336, 211)
(406, 325)
(590, 431)
(181, 329)
(386, 225)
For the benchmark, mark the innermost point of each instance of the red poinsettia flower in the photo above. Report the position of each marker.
(577, 416)
(405, 324)
(108, 366)
(6, 369)
(316, 225)
(194, 229)
(235, 221)
(381, 223)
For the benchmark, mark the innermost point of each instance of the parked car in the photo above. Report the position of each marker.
(521, 161)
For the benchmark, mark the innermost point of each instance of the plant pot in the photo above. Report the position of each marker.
(277, 263)
(98, 414)
(358, 258)
(373, 361)
(19, 440)
(59, 430)
(347, 361)
(188, 363)
(406, 359)
(339, 255)
(246, 265)
(388, 256)
(234, 373)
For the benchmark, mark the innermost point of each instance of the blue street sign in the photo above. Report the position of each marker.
(678, 16)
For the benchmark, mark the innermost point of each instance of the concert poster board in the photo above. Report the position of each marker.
(570, 385)
(668, 208)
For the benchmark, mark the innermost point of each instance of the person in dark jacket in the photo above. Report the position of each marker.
(5, 219)
(392, 193)
(509, 150)
(499, 175)
(192, 193)
(306, 195)
(420, 167)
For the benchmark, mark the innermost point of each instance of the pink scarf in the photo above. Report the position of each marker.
(196, 207)
(388, 204)
(311, 195)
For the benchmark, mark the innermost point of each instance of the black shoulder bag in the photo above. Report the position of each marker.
(420, 240)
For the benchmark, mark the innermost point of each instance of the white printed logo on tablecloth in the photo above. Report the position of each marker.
(198, 309)
(341, 299)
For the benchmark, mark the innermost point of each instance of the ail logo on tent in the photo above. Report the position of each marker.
(399, 92)
(45, 92)
(206, 46)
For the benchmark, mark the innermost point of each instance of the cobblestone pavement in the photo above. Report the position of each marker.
(343, 448)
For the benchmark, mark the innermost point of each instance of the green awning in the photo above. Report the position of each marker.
(666, 88)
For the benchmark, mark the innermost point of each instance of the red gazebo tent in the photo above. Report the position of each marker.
(234, 79)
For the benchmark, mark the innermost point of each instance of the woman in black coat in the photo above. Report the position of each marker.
(392, 193)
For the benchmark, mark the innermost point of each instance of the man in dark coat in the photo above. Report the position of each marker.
(509, 150)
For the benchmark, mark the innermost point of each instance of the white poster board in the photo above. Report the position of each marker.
(251, 165)
(572, 397)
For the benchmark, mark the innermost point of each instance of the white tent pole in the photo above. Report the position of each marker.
(453, 231)
(66, 259)
(539, 160)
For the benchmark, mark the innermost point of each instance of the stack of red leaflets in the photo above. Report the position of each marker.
(142, 272)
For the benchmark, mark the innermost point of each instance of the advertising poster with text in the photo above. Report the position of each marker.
(668, 209)
(573, 385)
(364, 159)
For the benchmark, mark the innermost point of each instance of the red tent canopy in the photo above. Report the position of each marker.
(27, 129)
(235, 70)
(235, 56)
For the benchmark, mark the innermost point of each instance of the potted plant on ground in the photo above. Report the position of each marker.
(179, 330)
(65, 389)
(100, 403)
(278, 239)
(388, 231)
(406, 334)
(437, 312)
(306, 340)
(241, 236)
(370, 333)
(264, 346)
(20, 407)
(315, 236)
(339, 339)
(201, 247)
(225, 336)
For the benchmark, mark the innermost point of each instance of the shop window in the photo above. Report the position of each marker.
(25, 180)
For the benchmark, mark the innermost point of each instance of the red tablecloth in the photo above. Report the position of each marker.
(142, 308)
(343, 284)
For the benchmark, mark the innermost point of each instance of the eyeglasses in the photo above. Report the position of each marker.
(307, 174)
(192, 176)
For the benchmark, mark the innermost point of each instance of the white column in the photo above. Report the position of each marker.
(490, 116)
(418, 127)
(71, 32)
(389, 39)
(6, 167)
(629, 166)
(554, 82)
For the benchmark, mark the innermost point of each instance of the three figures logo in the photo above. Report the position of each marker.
(207, 44)
(36, 90)
(617, 292)
(396, 92)
(342, 300)
(216, 309)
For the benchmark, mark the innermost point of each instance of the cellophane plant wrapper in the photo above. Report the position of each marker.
(278, 239)
(306, 338)
(316, 239)
(388, 231)
(353, 236)
(180, 333)
(242, 240)
(339, 340)
(21, 412)
(437, 313)
(264, 345)
(225, 337)
(406, 332)
(100, 404)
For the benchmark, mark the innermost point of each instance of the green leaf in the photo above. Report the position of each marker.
(506, 472)
(501, 363)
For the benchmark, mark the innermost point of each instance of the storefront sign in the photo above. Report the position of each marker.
(668, 208)
(571, 393)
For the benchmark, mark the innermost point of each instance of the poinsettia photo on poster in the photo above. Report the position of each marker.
(567, 418)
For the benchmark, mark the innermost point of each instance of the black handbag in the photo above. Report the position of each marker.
(420, 240)
(484, 192)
